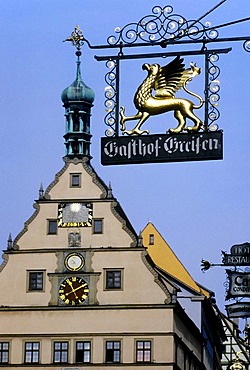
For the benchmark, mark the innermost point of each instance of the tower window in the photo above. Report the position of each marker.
(52, 227)
(83, 352)
(31, 354)
(75, 146)
(61, 352)
(75, 180)
(143, 351)
(113, 351)
(35, 280)
(113, 279)
(4, 352)
(97, 226)
(151, 239)
(76, 121)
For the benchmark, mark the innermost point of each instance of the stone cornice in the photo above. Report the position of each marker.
(95, 178)
(145, 256)
(56, 180)
(73, 249)
(5, 258)
(125, 222)
(23, 231)
(88, 168)
(88, 307)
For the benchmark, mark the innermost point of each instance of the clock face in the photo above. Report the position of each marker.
(74, 262)
(75, 214)
(73, 290)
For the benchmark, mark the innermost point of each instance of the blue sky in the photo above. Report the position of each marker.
(200, 208)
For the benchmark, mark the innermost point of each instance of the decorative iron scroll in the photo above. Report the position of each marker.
(164, 28)
(212, 114)
(162, 24)
(213, 96)
(111, 94)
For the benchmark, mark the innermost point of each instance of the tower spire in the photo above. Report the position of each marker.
(77, 100)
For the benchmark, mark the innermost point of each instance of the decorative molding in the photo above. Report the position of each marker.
(162, 25)
(89, 260)
(145, 256)
(95, 178)
(125, 227)
(5, 258)
(56, 180)
(85, 161)
(26, 224)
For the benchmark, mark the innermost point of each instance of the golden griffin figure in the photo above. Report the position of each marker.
(165, 82)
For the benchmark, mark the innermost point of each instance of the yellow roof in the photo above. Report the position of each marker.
(164, 257)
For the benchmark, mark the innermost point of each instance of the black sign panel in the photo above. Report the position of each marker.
(243, 248)
(197, 146)
(241, 309)
(236, 260)
(239, 284)
(240, 255)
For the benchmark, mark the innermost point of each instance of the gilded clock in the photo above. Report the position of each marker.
(75, 214)
(74, 261)
(73, 290)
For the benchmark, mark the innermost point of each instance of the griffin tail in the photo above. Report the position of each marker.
(202, 101)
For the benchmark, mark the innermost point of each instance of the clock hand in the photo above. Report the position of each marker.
(81, 286)
(70, 283)
(74, 290)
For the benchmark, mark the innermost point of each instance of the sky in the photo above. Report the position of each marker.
(200, 208)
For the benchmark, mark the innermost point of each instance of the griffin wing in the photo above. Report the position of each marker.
(171, 78)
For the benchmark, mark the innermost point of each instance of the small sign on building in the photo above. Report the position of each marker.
(239, 284)
(240, 255)
(241, 309)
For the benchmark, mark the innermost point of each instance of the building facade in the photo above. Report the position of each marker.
(80, 288)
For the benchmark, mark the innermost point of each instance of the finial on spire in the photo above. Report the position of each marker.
(140, 240)
(10, 243)
(76, 38)
(77, 100)
(41, 192)
(110, 194)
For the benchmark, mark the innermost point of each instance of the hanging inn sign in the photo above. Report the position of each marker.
(239, 284)
(187, 116)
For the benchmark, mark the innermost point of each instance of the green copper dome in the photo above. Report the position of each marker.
(78, 91)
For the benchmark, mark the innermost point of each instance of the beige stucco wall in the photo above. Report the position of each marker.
(62, 189)
(36, 231)
(137, 311)
(36, 236)
(87, 320)
(96, 325)
(14, 279)
(139, 286)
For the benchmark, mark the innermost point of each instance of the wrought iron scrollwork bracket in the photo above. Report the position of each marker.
(164, 29)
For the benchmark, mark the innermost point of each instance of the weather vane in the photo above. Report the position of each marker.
(76, 38)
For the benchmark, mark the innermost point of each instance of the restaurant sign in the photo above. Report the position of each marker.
(161, 148)
(239, 284)
(240, 255)
(241, 309)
